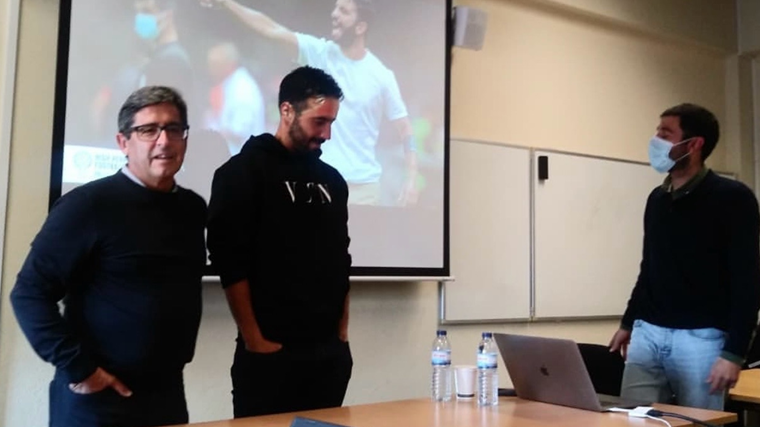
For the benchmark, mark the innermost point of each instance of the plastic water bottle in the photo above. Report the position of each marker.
(441, 360)
(488, 377)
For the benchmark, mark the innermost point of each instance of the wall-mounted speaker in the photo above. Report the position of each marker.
(469, 27)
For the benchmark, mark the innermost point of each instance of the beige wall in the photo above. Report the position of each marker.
(22, 389)
(554, 79)
(584, 75)
(707, 22)
(7, 10)
(749, 30)
(749, 47)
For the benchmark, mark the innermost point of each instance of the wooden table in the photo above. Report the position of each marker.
(747, 389)
(745, 396)
(511, 412)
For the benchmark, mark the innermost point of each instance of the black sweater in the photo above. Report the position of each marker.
(127, 262)
(279, 220)
(701, 262)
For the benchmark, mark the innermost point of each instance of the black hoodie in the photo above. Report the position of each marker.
(280, 220)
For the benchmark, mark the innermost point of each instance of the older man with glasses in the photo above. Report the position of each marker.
(125, 254)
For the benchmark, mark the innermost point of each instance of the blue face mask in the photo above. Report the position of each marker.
(146, 26)
(659, 154)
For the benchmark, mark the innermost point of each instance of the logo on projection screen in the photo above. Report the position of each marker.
(83, 164)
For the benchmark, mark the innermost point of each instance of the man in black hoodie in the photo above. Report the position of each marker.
(126, 255)
(278, 237)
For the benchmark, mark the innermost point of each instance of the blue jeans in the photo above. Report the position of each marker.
(672, 365)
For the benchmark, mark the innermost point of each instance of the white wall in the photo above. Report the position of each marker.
(582, 75)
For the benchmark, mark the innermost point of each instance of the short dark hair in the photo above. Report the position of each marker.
(697, 121)
(365, 10)
(145, 97)
(307, 82)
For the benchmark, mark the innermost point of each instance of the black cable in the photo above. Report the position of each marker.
(660, 414)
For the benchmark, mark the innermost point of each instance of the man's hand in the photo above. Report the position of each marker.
(723, 375)
(99, 381)
(620, 341)
(343, 324)
(263, 346)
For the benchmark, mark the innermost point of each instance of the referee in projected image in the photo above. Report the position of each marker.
(371, 90)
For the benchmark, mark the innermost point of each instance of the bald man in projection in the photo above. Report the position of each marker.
(236, 104)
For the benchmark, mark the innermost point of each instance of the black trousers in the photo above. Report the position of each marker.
(147, 407)
(296, 378)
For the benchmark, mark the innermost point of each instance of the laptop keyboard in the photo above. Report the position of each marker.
(605, 402)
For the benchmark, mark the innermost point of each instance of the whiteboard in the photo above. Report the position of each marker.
(589, 230)
(489, 207)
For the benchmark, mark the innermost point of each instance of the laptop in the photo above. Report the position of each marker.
(552, 370)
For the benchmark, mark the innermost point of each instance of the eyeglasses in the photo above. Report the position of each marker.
(151, 131)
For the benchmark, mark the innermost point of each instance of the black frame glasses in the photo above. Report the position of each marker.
(150, 132)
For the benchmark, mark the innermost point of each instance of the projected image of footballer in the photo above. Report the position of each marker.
(371, 94)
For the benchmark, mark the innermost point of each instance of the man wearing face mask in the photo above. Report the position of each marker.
(166, 63)
(278, 236)
(694, 307)
(371, 87)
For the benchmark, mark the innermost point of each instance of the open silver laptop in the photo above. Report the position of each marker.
(552, 370)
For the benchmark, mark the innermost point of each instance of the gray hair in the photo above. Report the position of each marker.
(146, 97)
